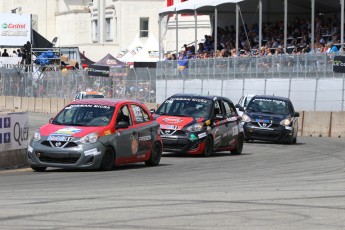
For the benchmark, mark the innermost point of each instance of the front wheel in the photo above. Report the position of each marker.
(108, 160)
(155, 156)
(38, 169)
(239, 145)
(208, 148)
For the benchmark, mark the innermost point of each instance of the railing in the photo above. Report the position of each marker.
(276, 66)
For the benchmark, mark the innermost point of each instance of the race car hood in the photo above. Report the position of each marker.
(176, 122)
(67, 131)
(267, 118)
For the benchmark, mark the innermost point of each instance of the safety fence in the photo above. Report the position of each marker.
(275, 66)
(307, 79)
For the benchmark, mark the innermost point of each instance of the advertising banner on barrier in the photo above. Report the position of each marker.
(15, 29)
(14, 131)
(339, 64)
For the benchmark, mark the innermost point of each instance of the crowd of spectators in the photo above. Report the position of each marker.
(327, 39)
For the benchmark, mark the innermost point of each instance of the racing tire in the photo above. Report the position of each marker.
(108, 160)
(155, 155)
(208, 148)
(239, 146)
(38, 168)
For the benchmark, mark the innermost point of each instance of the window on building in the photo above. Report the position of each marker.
(144, 27)
(94, 31)
(108, 36)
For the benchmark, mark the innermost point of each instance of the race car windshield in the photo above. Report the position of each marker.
(187, 107)
(85, 115)
(271, 106)
(94, 96)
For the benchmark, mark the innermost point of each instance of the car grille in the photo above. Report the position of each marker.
(59, 144)
(172, 132)
(172, 143)
(69, 158)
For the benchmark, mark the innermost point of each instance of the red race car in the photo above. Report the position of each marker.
(97, 134)
(198, 124)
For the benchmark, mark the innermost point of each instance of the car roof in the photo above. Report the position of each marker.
(91, 92)
(272, 97)
(210, 97)
(103, 101)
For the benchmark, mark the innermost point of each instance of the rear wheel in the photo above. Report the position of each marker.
(208, 148)
(38, 169)
(108, 160)
(239, 145)
(155, 156)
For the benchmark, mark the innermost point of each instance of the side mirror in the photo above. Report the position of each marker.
(152, 111)
(241, 109)
(237, 106)
(220, 116)
(51, 120)
(296, 114)
(122, 125)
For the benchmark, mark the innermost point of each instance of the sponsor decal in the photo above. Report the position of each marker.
(107, 132)
(232, 119)
(186, 99)
(201, 135)
(235, 130)
(173, 120)
(134, 144)
(91, 152)
(64, 134)
(144, 138)
(173, 127)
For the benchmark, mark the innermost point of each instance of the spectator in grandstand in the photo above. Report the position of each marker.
(5, 54)
(331, 48)
(19, 52)
(14, 54)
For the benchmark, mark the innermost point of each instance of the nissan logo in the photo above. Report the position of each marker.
(57, 144)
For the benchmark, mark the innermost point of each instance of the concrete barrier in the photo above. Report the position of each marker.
(338, 124)
(38, 105)
(31, 104)
(13, 159)
(316, 124)
(9, 102)
(17, 102)
(46, 105)
(2, 102)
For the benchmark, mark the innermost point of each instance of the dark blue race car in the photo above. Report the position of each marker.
(270, 118)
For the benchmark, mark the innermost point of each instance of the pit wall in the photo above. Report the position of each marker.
(315, 124)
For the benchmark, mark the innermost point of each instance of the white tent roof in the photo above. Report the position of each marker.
(149, 53)
(191, 5)
(132, 49)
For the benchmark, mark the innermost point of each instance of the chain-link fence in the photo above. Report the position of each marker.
(307, 78)
(51, 82)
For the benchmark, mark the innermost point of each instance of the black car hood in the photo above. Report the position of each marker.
(267, 117)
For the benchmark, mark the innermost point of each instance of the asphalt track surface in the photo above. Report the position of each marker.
(269, 186)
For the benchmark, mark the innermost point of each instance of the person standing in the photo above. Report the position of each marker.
(5, 54)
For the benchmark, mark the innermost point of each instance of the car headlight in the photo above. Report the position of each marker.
(246, 118)
(196, 127)
(37, 135)
(90, 138)
(286, 122)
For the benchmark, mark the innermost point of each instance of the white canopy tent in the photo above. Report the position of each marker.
(300, 7)
(149, 52)
(134, 47)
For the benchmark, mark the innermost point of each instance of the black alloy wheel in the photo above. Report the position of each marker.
(239, 145)
(155, 156)
(108, 160)
(208, 148)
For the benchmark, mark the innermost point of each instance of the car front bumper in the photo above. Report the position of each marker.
(276, 134)
(191, 143)
(86, 156)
